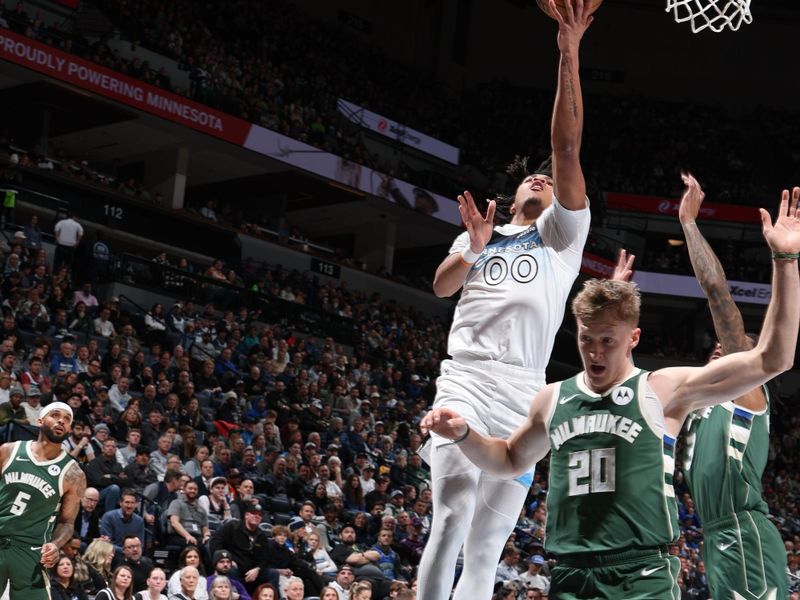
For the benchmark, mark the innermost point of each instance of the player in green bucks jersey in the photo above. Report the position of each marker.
(40, 491)
(611, 430)
(727, 447)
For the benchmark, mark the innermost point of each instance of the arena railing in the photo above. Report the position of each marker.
(182, 285)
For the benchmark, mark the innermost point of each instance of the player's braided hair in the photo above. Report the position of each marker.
(517, 170)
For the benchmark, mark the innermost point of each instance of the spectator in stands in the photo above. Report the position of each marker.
(78, 444)
(106, 474)
(13, 411)
(101, 434)
(86, 296)
(190, 589)
(80, 321)
(103, 325)
(33, 235)
(121, 522)
(153, 429)
(266, 591)
(357, 556)
(361, 590)
(33, 317)
(507, 568)
(220, 589)
(176, 320)
(188, 521)
(294, 589)
(248, 546)
(132, 557)
(32, 404)
(63, 585)
(139, 474)
(87, 522)
(189, 562)
(155, 325)
(223, 565)
(156, 583)
(387, 560)
(411, 543)
(533, 577)
(159, 456)
(129, 344)
(98, 558)
(64, 361)
(161, 493)
(343, 582)
(68, 233)
(127, 453)
(119, 396)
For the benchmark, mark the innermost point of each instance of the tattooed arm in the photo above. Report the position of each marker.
(567, 126)
(74, 487)
(728, 322)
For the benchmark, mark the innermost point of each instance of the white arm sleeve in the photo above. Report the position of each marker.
(461, 242)
(565, 231)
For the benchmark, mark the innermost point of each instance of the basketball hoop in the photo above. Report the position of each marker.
(715, 15)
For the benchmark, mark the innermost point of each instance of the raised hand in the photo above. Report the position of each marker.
(478, 227)
(623, 270)
(445, 422)
(691, 200)
(784, 234)
(572, 24)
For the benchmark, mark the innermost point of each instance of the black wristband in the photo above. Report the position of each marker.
(463, 437)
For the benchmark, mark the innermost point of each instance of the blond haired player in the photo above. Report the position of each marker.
(611, 432)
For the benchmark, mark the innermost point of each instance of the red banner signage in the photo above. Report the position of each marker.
(669, 207)
(596, 266)
(90, 76)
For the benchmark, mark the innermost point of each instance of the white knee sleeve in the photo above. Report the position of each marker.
(454, 481)
(496, 513)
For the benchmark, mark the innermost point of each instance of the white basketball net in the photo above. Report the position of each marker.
(715, 15)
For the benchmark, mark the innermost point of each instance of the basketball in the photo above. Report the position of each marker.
(561, 5)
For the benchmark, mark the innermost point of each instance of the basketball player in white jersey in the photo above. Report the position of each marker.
(515, 278)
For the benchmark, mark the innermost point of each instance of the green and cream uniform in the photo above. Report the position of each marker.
(611, 503)
(30, 498)
(727, 448)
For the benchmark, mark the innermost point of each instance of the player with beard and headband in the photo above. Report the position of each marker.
(515, 280)
(40, 492)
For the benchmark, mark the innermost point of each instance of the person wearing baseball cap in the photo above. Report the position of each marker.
(13, 409)
(534, 577)
(344, 580)
(32, 404)
(222, 563)
(249, 548)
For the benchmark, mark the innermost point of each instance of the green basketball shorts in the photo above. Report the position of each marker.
(21, 572)
(745, 558)
(633, 575)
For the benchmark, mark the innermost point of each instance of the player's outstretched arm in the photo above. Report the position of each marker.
(501, 458)
(451, 273)
(74, 488)
(685, 389)
(567, 125)
(708, 271)
(728, 322)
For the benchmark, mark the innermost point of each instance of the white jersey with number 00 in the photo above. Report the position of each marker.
(513, 298)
